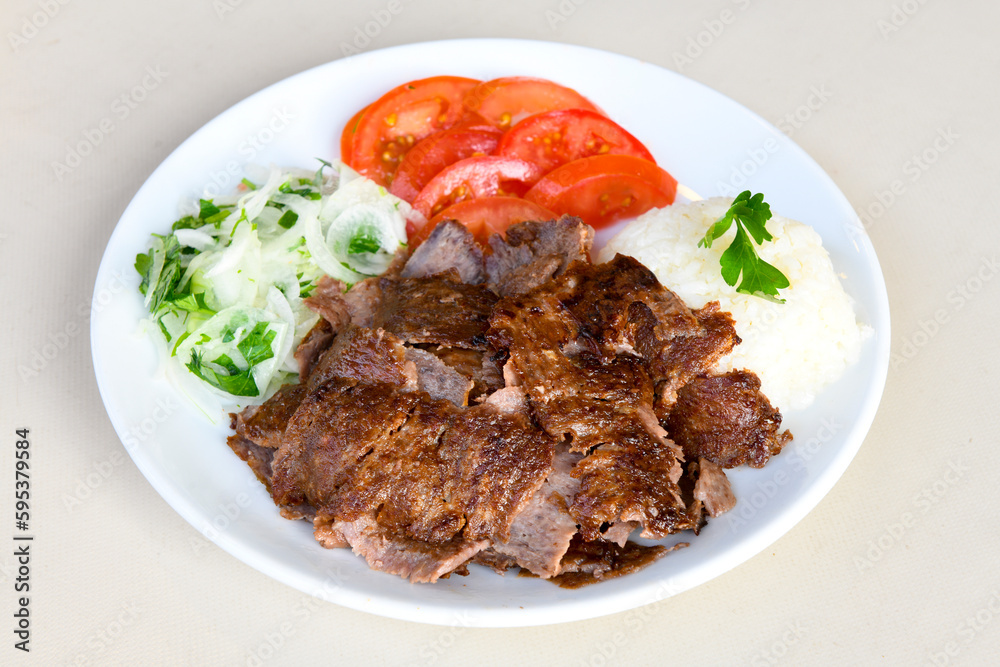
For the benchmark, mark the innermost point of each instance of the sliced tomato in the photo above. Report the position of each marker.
(503, 102)
(472, 121)
(476, 177)
(553, 138)
(431, 155)
(347, 136)
(604, 188)
(395, 122)
(487, 216)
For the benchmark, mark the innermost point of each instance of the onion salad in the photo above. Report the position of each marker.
(225, 288)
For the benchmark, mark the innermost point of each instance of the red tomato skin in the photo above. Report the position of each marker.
(505, 101)
(403, 116)
(473, 178)
(347, 136)
(554, 138)
(603, 189)
(434, 153)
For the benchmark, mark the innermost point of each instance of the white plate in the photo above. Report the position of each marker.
(698, 135)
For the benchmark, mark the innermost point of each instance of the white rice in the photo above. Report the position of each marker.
(797, 347)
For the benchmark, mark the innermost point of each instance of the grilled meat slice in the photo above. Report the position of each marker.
(439, 309)
(591, 562)
(420, 562)
(335, 428)
(540, 534)
(632, 478)
(425, 466)
(725, 419)
(712, 488)
(499, 461)
(264, 425)
(533, 252)
(449, 246)
(691, 355)
(366, 355)
(312, 347)
(472, 364)
(438, 379)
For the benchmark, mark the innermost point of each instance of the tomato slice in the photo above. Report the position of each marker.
(487, 216)
(554, 138)
(401, 118)
(472, 121)
(604, 188)
(505, 101)
(476, 177)
(347, 136)
(441, 149)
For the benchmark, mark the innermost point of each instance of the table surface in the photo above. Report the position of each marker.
(892, 98)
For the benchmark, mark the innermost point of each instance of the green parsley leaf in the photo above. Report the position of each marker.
(192, 303)
(306, 192)
(180, 339)
(170, 274)
(288, 219)
(255, 346)
(211, 214)
(143, 263)
(750, 213)
(233, 381)
(187, 222)
(163, 328)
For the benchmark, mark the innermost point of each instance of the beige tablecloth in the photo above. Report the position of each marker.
(897, 102)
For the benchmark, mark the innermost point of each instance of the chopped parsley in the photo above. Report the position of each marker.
(363, 242)
(223, 373)
(288, 219)
(211, 214)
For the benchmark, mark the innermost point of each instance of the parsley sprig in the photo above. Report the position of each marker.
(750, 213)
